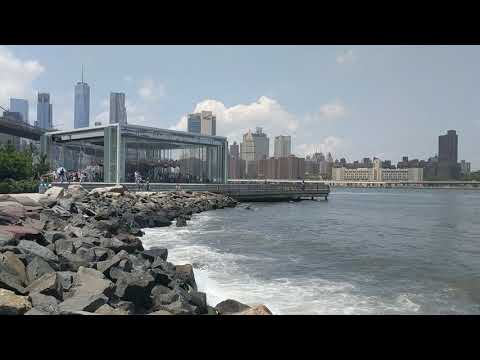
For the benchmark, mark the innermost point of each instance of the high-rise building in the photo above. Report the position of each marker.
(82, 105)
(118, 111)
(235, 150)
(44, 111)
(204, 123)
(289, 167)
(262, 144)
(282, 146)
(464, 168)
(448, 167)
(20, 106)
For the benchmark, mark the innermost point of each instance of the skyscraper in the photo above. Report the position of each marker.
(44, 111)
(448, 167)
(82, 105)
(118, 111)
(235, 150)
(204, 123)
(20, 106)
(282, 146)
(448, 147)
(262, 144)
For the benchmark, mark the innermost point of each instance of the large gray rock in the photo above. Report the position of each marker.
(76, 192)
(25, 199)
(162, 295)
(199, 299)
(10, 262)
(37, 267)
(62, 245)
(230, 306)
(11, 282)
(135, 287)
(52, 236)
(11, 212)
(185, 274)
(154, 252)
(104, 266)
(179, 307)
(89, 282)
(55, 192)
(47, 285)
(65, 281)
(12, 304)
(44, 303)
(71, 262)
(255, 310)
(88, 303)
(99, 253)
(7, 238)
(34, 311)
(108, 310)
(33, 248)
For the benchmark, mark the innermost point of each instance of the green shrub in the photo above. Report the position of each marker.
(10, 186)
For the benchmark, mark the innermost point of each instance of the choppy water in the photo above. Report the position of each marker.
(371, 251)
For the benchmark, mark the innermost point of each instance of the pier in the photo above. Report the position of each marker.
(282, 191)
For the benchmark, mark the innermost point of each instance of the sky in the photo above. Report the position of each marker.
(353, 101)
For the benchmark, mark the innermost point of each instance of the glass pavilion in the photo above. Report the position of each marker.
(112, 153)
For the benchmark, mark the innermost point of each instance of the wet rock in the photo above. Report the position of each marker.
(46, 284)
(181, 221)
(230, 306)
(37, 250)
(161, 277)
(44, 303)
(199, 299)
(135, 287)
(255, 310)
(162, 295)
(12, 304)
(185, 274)
(11, 263)
(154, 252)
(36, 268)
(179, 307)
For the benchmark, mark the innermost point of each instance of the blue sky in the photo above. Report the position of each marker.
(354, 101)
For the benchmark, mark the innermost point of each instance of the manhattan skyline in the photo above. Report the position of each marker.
(353, 101)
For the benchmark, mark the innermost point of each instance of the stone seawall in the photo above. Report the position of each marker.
(77, 252)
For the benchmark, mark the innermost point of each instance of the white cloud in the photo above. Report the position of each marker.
(16, 76)
(151, 91)
(236, 120)
(328, 111)
(330, 144)
(347, 57)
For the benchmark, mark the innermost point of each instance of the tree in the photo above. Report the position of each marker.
(15, 165)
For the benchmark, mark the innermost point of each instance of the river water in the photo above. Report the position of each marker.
(364, 251)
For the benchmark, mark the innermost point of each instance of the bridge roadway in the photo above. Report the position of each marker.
(21, 129)
(241, 192)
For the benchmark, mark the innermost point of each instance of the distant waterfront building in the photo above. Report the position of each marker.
(20, 106)
(464, 168)
(290, 167)
(204, 123)
(118, 111)
(255, 146)
(82, 105)
(98, 123)
(44, 111)
(282, 146)
(377, 173)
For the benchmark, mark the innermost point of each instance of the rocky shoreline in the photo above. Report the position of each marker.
(73, 252)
